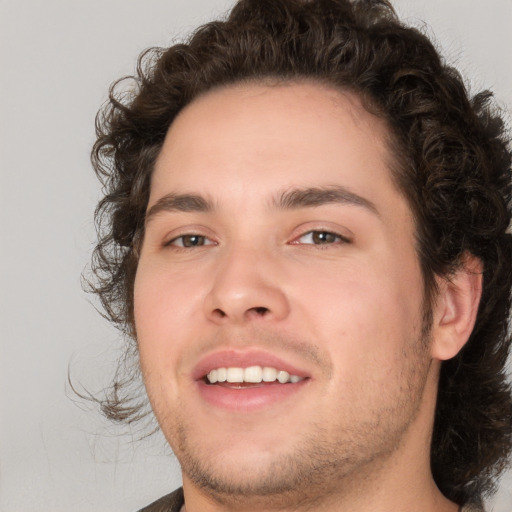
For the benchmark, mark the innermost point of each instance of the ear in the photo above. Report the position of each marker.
(456, 308)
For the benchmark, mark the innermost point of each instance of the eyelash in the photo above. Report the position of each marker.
(182, 245)
(330, 238)
(335, 238)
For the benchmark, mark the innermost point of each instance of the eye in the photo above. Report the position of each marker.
(189, 241)
(321, 238)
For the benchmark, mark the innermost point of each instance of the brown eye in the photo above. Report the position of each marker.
(190, 241)
(320, 238)
(323, 237)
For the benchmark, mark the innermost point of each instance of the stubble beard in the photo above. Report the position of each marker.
(321, 462)
(314, 468)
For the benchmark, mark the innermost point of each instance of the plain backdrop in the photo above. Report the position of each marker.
(57, 59)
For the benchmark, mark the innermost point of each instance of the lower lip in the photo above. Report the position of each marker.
(250, 398)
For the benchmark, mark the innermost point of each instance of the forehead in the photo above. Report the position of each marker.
(255, 135)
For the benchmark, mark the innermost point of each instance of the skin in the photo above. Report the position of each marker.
(346, 308)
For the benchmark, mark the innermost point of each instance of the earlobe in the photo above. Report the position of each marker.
(456, 308)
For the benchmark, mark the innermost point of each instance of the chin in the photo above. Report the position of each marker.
(252, 475)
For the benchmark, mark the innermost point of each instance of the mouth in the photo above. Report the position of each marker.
(248, 381)
(250, 375)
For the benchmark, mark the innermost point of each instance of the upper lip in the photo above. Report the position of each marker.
(243, 359)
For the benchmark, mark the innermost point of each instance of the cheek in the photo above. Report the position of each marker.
(164, 308)
(365, 313)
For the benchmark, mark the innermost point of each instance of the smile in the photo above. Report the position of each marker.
(249, 380)
(251, 374)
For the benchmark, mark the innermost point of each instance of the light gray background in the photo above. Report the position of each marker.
(57, 58)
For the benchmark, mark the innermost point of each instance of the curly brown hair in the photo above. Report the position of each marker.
(452, 163)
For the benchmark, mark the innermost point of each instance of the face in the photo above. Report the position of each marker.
(278, 248)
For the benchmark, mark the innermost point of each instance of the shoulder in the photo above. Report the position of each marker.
(169, 503)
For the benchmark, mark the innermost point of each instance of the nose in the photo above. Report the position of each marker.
(246, 288)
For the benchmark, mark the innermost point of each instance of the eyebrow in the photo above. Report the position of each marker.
(289, 200)
(318, 196)
(179, 203)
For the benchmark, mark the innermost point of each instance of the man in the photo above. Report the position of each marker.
(305, 238)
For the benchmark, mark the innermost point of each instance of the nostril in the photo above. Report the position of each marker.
(218, 312)
(260, 310)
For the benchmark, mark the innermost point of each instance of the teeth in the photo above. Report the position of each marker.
(235, 374)
(283, 377)
(269, 374)
(252, 374)
(222, 375)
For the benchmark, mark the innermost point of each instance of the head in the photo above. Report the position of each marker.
(448, 161)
